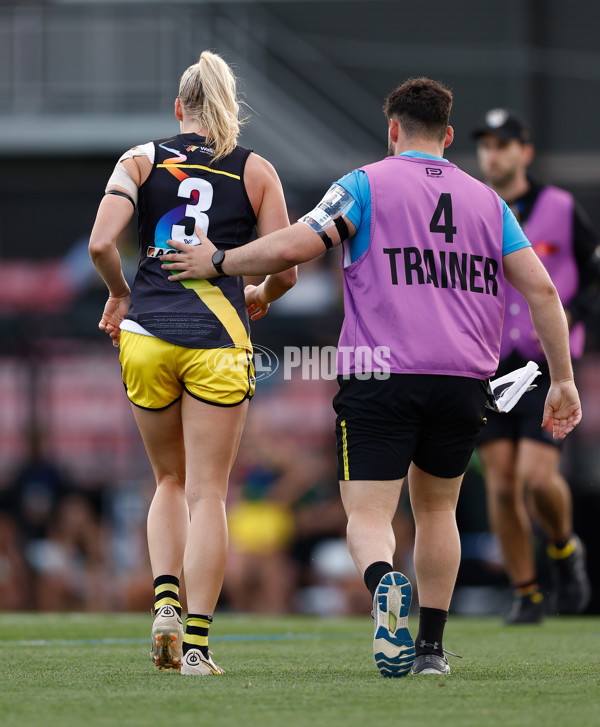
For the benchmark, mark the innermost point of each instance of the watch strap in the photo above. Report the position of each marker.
(218, 263)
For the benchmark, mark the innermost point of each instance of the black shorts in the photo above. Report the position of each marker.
(525, 420)
(384, 425)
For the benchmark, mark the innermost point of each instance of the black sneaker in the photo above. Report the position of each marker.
(573, 589)
(527, 609)
(431, 664)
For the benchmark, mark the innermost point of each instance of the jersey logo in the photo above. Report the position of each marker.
(433, 172)
(205, 149)
(156, 251)
(545, 248)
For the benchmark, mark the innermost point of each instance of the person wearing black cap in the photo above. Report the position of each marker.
(519, 457)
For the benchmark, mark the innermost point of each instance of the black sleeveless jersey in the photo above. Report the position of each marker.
(187, 188)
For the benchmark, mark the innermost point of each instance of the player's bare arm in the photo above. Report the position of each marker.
(267, 199)
(114, 214)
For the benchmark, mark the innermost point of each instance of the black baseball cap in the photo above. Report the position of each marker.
(503, 123)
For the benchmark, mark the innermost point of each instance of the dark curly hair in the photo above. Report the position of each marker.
(422, 107)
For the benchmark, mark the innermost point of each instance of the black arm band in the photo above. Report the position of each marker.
(342, 228)
(326, 239)
(121, 194)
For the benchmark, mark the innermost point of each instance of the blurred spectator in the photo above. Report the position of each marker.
(54, 538)
(14, 573)
(126, 509)
(35, 491)
(269, 478)
(69, 563)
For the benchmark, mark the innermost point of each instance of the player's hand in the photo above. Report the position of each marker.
(257, 306)
(192, 261)
(562, 409)
(115, 311)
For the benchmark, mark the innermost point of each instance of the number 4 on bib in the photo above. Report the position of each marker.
(444, 207)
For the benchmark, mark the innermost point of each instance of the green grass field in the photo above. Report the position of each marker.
(294, 672)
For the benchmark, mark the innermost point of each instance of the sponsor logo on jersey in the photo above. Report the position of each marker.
(435, 172)
(545, 248)
(205, 149)
(158, 251)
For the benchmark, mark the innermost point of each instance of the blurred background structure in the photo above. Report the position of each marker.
(81, 81)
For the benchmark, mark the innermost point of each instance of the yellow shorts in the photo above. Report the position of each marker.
(156, 373)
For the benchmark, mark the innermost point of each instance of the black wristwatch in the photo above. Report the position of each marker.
(217, 260)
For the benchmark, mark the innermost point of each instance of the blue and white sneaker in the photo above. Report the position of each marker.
(393, 646)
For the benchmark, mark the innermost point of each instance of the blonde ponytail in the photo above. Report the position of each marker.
(207, 91)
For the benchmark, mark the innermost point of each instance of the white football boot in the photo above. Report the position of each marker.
(167, 638)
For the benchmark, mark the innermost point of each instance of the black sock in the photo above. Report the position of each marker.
(374, 573)
(431, 631)
(196, 633)
(166, 592)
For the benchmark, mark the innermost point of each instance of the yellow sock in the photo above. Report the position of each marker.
(557, 553)
(196, 633)
(166, 592)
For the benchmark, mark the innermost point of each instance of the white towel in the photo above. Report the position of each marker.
(508, 389)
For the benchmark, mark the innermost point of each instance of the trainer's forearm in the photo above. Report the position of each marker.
(550, 323)
(524, 270)
(275, 252)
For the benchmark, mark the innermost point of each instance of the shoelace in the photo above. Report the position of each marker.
(434, 646)
(451, 653)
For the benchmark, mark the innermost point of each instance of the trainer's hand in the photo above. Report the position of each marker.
(192, 261)
(257, 306)
(562, 409)
(114, 312)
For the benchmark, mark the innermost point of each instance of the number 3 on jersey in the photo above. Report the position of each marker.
(195, 212)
